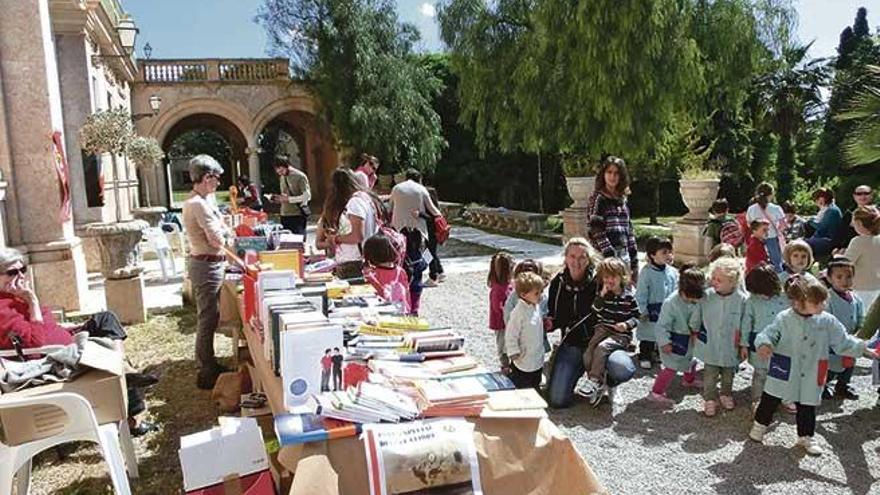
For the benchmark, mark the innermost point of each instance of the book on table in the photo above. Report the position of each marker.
(292, 429)
(490, 381)
(517, 399)
(311, 361)
(451, 364)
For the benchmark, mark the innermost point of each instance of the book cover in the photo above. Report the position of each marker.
(512, 400)
(490, 381)
(292, 429)
(311, 361)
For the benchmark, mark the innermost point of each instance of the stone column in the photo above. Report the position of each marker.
(687, 234)
(32, 113)
(122, 269)
(254, 166)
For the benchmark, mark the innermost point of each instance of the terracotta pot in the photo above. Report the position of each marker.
(698, 196)
(580, 189)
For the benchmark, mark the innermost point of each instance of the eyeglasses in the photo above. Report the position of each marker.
(16, 271)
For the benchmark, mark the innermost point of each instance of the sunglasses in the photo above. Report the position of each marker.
(862, 193)
(16, 271)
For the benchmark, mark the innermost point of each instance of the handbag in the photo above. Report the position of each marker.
(780, 228)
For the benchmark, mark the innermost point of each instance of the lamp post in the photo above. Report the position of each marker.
(148, 51)
(155, 104)
(127, 32)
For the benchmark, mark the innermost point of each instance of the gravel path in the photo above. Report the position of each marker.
(638, 448)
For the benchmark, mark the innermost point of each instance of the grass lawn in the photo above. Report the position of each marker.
(179, 197)
(163, 345)
(663, 221)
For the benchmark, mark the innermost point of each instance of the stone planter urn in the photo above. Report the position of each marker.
(698, 196)
(580, 189)
(149, 214)
(121, 267)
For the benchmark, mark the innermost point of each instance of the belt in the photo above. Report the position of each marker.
(213, 258)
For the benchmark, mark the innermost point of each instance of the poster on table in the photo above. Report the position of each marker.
(431, 457)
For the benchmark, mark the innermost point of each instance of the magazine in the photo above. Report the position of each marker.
(436, 457)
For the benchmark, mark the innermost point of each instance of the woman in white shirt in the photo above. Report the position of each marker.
(864, 252)
(349, 218)
(764, 208)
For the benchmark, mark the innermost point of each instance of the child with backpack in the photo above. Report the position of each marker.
(722, 228)
(384, 273)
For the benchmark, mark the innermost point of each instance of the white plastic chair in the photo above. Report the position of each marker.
(159, 243)
(81, 426)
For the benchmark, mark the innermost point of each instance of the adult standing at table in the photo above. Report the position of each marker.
(570, 301)
(764, 208)
(412, 206)
(294, 198)
(826, 223)
(366, 172)
(611, 230)
(349, 219)
(207, 236)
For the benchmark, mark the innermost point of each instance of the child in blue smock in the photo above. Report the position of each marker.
(674, 336)
(847, 307)
(658, 279)
(797, 345)
(797, 258)
(764, 303)
(716, 322)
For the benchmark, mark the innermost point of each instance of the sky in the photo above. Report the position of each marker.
(225, 28)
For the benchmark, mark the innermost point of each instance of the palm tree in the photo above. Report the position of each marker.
(790, 96)
(862, 145)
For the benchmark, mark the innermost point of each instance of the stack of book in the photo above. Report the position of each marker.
(464, 396)
(517, 403)
(367, 403)
(434, 341)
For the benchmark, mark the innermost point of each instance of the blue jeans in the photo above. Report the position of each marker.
(821, 246)
(569, 367)
(774, 252)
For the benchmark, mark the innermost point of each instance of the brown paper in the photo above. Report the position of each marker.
(516, 457)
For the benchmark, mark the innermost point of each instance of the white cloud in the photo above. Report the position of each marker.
(428, 10)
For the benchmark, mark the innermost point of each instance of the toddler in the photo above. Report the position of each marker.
(616, 315)
(756, 249)
(657, 281)
(797, 258)
(765, 301)
(716, 321)
(384, 273)
(499, 282)
(674, 336)
(524, 333)
(796, 345)
(847, 307)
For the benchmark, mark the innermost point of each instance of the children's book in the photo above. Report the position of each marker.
(292, 429)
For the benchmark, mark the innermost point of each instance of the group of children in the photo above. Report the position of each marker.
(796, 332)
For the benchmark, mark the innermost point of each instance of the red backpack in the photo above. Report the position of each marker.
(398, 241)
(744, 228)
(441, 229)
(731, 233)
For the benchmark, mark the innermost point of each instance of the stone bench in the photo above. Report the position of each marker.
(451, 210)
(506, 220)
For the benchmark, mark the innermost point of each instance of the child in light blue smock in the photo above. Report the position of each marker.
(797, 344)
(797, 258)
(674, 336)
(847, 307)
(716, 322)
(764, 303)
(658, 279)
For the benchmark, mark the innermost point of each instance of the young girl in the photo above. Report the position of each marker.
(526, 265)
(756, 251)
(524, 333)
(674, 335)
(764, 303)
(499, 288)
(846, 306)
(798, 258)
(797, 344)
(383, 272)
(616, 315)
(657, 281)
(716, 321)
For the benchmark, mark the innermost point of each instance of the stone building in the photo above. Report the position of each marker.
(61, 60)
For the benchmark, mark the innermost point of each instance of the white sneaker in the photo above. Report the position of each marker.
(810, 445)
(645, 364)
(757, 432)
(588, 389)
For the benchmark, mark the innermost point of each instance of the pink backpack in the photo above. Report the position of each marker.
(398, 241)
(391, 284)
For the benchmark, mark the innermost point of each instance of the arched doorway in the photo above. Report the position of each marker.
(202, 133)
(300, 136)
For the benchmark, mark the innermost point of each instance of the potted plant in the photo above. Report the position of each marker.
(147, 155)
(699, 184)
(106, 131)
(580, 178)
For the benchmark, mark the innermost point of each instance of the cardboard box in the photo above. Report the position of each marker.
(230, 451)
(255, 484)
(103, 386)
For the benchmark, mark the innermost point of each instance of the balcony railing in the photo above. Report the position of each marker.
(224, 70)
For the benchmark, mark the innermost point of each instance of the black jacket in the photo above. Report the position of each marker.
(568, 303)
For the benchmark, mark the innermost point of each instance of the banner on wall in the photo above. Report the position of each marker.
(63, 174)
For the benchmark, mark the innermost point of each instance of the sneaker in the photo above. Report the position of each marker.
(810, 445)
(727, 402)
(660, 399)
(845, 392)
(757, 432)
(645, 364)
(429, 283)
(826, 394)
(441, 277)
(596, 399)
(710, 408)
(587, 389)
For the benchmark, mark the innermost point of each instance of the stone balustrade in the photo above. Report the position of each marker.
(225, 70)
(508, 220)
